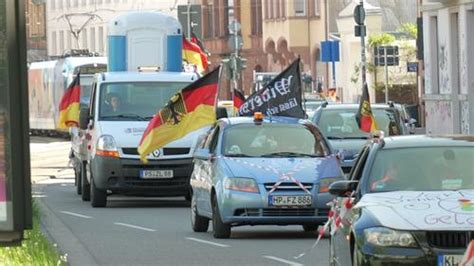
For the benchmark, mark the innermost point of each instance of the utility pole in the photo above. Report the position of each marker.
(360, 30)
(386, 72)
(189, 20)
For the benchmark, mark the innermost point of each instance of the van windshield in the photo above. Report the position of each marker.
(135, 101)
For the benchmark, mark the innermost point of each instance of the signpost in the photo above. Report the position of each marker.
(190, 17)
(360, 30)
(386, 56)
(15, 185)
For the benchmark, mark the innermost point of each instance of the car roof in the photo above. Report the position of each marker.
(412, 141)
(136, 76)
(355, 106)
(266, 120)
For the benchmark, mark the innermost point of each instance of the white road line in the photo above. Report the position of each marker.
(283, 260)
(208, 242)
(77, 214)
(136, 227)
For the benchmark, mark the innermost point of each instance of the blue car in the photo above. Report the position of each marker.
(255, 171)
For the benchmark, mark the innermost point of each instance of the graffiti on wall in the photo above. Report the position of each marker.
(465, 117)
(443, 62)
(439, 117)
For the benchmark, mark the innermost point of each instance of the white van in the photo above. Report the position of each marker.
(115, 130)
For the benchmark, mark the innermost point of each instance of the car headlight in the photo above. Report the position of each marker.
(324, 183)
(241, 184)
(385, 237)
(106, 146)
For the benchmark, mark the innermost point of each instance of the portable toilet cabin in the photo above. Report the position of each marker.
(144, 39)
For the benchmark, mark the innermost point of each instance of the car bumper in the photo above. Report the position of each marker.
(122, 176)
(241, 208)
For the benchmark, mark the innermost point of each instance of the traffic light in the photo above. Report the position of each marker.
(227, 64)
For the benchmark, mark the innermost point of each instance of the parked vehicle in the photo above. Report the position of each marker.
(338, 124)
(413, 199)
(251, 171)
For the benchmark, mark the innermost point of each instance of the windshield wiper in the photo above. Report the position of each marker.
(237, 155)
(130, 116)
(288, 154)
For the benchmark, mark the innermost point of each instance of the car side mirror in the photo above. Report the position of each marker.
(202, 154)
(84, 118)
(343, 188)
(340, 155)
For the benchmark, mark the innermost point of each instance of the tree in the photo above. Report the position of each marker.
(378, 40)
(409, 29)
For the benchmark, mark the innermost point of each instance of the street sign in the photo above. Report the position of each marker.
(234, 27)
(392, 56)
(330, 51)
(412, 66)
(195, 18)
(235, 42)
(359, 14)
(359, 30)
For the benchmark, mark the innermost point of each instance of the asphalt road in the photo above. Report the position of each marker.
(150, 231)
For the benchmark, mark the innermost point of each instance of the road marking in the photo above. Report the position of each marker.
(136, 227)
(77, 215)
(207, 242)
(283, 260)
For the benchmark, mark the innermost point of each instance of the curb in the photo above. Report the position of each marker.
(67, 242)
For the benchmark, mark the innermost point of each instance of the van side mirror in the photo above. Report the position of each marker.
(202, 154)
(343, 188)
(84, 118)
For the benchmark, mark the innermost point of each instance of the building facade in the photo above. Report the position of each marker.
(216, 16)
(449, 66)
(62, 15)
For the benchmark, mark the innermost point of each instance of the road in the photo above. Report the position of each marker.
(149, 231)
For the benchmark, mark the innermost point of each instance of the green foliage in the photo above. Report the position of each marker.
(380, 39)
(34, 250)
(410, 29)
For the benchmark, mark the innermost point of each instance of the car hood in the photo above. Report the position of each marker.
(265, 170)
(349, 147)
(421, 210)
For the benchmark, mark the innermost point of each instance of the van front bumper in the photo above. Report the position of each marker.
(122, 176)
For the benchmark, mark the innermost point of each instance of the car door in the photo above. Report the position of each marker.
(197, 175)
(341, 240)
(208, 167)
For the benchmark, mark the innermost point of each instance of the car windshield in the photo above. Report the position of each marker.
(135, 101)
(342, 123)
(86, 86)
(430, 168)
(273, 140)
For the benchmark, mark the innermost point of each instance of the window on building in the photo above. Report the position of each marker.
(270, 8)
(52, 4)
(83, 2)
(316, 8)
(60, 4)
(67, 4)
(75, 3)
(61, 42)
(217, 20)
(266, 8)
(209, 18)
(101, 39)
(54, 43)
(228, 16)
(99, 2)
(276, 9)
(256, 17)
(283, 9)
(433, 42)
(300, 7)
(92, 39)
(68, 40)
(84, 39)
(456, 73)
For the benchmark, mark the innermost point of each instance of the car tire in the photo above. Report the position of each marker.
(78, 183)
(85, 186)
(98, 196)
(310, 227)
(200, 224)
(220, 229)
(188, 197)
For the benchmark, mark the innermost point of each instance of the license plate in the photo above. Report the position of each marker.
(449, 260)
(156, 174)
(277, 200)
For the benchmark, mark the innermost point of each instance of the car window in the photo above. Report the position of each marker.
(273, 140)
(214, 140)
(342, 123)
(356, 171)
(422, 168)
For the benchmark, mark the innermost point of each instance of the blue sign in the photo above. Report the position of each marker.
(412, 66)
(330, 51)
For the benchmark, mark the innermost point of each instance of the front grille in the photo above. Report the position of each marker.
(346, 169)
(323, 212)
(288, 186)
(247, 212)
(288, 212)
(166, 151)
(155, 183)
(449, 239)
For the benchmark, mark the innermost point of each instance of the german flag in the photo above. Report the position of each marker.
(193, 54)
(365, 118)
(238, 99)
(188, 110)
(197, 41)
(70, 104)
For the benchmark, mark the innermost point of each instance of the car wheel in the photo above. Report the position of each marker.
(98, 196)
(220, 229)
(310, 227)
(199, 223)
(85, 186)
(78, 176)
(188, 196)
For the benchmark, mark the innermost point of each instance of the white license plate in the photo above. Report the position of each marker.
(449, 260)
(277, 200)
(156, 174)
